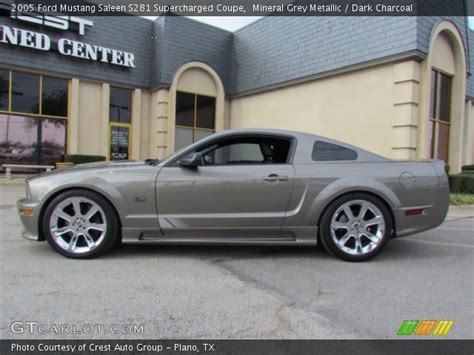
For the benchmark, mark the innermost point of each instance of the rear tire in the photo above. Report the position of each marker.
(80, 224)
(355, 227)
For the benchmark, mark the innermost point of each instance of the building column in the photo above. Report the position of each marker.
(159, 124)
(73, 124)
(468, 128)
(104, 120)
(405, 115)
(136, 123)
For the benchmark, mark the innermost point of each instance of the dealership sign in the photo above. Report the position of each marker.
(67, 47)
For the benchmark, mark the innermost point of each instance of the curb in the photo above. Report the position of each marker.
(12, 182)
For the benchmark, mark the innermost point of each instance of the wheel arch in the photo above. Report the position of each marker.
(371, 193)
(344, 187)
(56, 193)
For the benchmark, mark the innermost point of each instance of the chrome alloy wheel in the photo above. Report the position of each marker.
(357, 227)
(78, 225)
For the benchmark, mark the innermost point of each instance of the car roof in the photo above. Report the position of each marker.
(304, 139)
(295, 134)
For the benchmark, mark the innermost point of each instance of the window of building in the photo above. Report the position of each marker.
(33, 118)
(31, 140)
(440, 119)
(120, 113)
(33, 94)
(54, 97)
(247, 151)
(4, 88)
(120, 105)
(25, 92)
(324, 151)
(195, 118)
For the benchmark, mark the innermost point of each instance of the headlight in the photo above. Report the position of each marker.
(27, 190)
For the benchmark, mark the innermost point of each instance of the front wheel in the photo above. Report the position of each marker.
(356, 227)
(80, 224)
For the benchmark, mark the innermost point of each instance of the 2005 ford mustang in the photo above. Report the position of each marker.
(239, 187)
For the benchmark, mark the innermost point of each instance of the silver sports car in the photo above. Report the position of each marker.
(255, 186)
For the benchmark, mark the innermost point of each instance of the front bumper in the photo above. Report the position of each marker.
(29, 216)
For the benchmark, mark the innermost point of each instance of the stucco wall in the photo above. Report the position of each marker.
(197, 81)
(89, 133)
(145, 125)
(356, 108)
(468, 134)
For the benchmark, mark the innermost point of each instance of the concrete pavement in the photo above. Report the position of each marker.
(239, 292)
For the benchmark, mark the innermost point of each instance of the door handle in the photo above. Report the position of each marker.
(271, 178)
(276, 177)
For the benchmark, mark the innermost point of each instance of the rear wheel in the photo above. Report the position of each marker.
(80, 224)
(356, 227)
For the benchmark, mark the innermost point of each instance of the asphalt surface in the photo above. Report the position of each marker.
(236, 292)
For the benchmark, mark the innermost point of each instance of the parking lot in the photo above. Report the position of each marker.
(238, 292)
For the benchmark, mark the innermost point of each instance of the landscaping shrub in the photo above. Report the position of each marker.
(447, 168)
(462, 183)
(468, 169)
(82, 159)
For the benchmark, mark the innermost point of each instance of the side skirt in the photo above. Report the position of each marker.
(296, 236)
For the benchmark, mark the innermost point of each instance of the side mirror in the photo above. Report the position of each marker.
(192, 161)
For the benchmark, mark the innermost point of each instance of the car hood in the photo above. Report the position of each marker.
(123, 164)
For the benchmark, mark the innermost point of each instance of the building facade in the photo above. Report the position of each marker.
(131, 88)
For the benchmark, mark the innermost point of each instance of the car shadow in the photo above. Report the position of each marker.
(215, 251)
(396, 250)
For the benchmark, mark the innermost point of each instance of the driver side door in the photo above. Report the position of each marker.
(241, 189)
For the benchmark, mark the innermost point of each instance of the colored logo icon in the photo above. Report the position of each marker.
(425, 327)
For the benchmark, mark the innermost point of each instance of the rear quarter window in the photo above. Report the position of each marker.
(323, 151)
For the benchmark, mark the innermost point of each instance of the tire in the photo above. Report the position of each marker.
(356, 237)
(88, 233)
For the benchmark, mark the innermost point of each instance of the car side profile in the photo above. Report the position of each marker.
(247, 186)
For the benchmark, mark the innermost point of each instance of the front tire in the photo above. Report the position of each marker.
(356, 227)
(80, 224)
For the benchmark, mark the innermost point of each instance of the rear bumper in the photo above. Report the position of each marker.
(432, 216)
(29, 216)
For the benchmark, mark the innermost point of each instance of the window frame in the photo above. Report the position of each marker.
(9, 90)
(110, 103)
(194, 128)
(173, 163)
(436, 121)
(39, 116)
(40, 133)
(128, 125)
(40, 94)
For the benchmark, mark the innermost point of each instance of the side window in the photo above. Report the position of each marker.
(247, 150)
(323, 151)
(236, 153)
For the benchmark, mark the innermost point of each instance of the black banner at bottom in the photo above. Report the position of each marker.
(274, 347)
